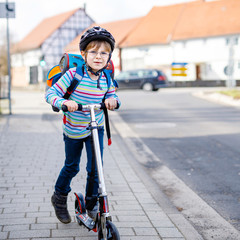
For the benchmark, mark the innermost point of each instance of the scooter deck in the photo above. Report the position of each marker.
(84, 219)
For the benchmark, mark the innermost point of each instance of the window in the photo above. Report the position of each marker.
(133, 74)
(234, 39)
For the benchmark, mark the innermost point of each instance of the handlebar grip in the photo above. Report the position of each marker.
(103, 106)
(79, 107)
(65, 108)
(117, 106)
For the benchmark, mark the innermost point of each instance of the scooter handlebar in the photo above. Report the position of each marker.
(81, 107)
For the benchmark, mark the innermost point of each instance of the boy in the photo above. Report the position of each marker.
(96, 47)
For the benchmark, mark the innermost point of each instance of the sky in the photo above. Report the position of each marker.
(29, 13)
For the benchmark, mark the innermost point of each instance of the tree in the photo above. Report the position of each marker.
(3, 60)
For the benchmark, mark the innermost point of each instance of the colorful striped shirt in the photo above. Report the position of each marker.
(87, 92)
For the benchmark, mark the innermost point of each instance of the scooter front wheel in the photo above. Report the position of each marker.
(112, 232)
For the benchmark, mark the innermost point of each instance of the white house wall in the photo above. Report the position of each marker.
(146, 57)
(210, 54)
(29, 58)
(21, 63)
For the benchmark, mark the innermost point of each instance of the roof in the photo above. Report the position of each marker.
(119, 29)
(202, 19)
(42, 31)
(155, 27)
(186, 21)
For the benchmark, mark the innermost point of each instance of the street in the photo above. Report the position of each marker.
(197, 139)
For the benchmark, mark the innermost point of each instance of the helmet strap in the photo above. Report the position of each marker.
(91, 71)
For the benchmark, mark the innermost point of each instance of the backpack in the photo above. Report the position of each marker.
(75, 60)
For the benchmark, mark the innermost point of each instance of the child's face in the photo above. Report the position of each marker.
(97, 58)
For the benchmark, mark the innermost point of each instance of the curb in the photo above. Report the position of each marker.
(217, 98)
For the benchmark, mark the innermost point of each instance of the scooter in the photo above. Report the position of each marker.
(103, 222)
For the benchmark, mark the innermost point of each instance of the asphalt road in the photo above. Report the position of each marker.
(197, 139)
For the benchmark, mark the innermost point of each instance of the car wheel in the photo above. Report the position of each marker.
(147, 86)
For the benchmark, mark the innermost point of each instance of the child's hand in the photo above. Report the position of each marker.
(110, 103)
(71, 105)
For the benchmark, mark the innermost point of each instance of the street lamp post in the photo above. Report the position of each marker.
(9, 61)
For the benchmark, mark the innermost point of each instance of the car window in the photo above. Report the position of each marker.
(122, 75)
(133, 74)
(150, 73)
(141, 74)
(136, 74)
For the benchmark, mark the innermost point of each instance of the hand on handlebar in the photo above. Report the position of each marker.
(72, 106)
(110, 103)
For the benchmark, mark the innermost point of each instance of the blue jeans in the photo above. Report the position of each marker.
(73, 151)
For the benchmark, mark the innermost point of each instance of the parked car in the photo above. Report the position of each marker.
(146, 79)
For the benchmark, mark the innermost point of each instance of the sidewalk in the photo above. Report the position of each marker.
(32, 154)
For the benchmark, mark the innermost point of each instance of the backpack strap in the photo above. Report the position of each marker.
(75, 82)
(108, 77)
(107, 125)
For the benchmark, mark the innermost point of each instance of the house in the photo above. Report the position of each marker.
(43, 47)
(195, 41)
(119, 29)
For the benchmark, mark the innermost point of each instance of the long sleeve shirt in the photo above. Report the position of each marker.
(88, 91)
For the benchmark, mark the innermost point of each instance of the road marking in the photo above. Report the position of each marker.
(149, 125)
(203, 217)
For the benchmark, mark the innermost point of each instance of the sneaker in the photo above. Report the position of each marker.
(93, 213)
(59, 203)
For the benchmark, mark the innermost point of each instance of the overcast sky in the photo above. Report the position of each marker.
(29, 13)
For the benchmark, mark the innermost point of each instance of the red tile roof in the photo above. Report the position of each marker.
(119, 29)
(203, 19)
(42, 31)
(185, 21)
(155, 27)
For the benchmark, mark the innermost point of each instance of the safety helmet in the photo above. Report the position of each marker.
(96, 33)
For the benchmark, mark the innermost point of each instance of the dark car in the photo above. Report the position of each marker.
(146, 79)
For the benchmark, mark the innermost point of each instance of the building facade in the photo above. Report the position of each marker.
(196, 42)
(43, 47)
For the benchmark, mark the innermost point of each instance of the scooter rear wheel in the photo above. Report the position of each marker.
(112, 232)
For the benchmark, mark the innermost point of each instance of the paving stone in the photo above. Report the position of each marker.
(140, 238)
(126, 231)
(169, 233)
(14, 221)
(30, 234)
(43, 226)
(16, 227)
(145, 231)
(80, 232)
(3, 235)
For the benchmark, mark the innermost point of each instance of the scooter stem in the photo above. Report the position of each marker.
(93, 124)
